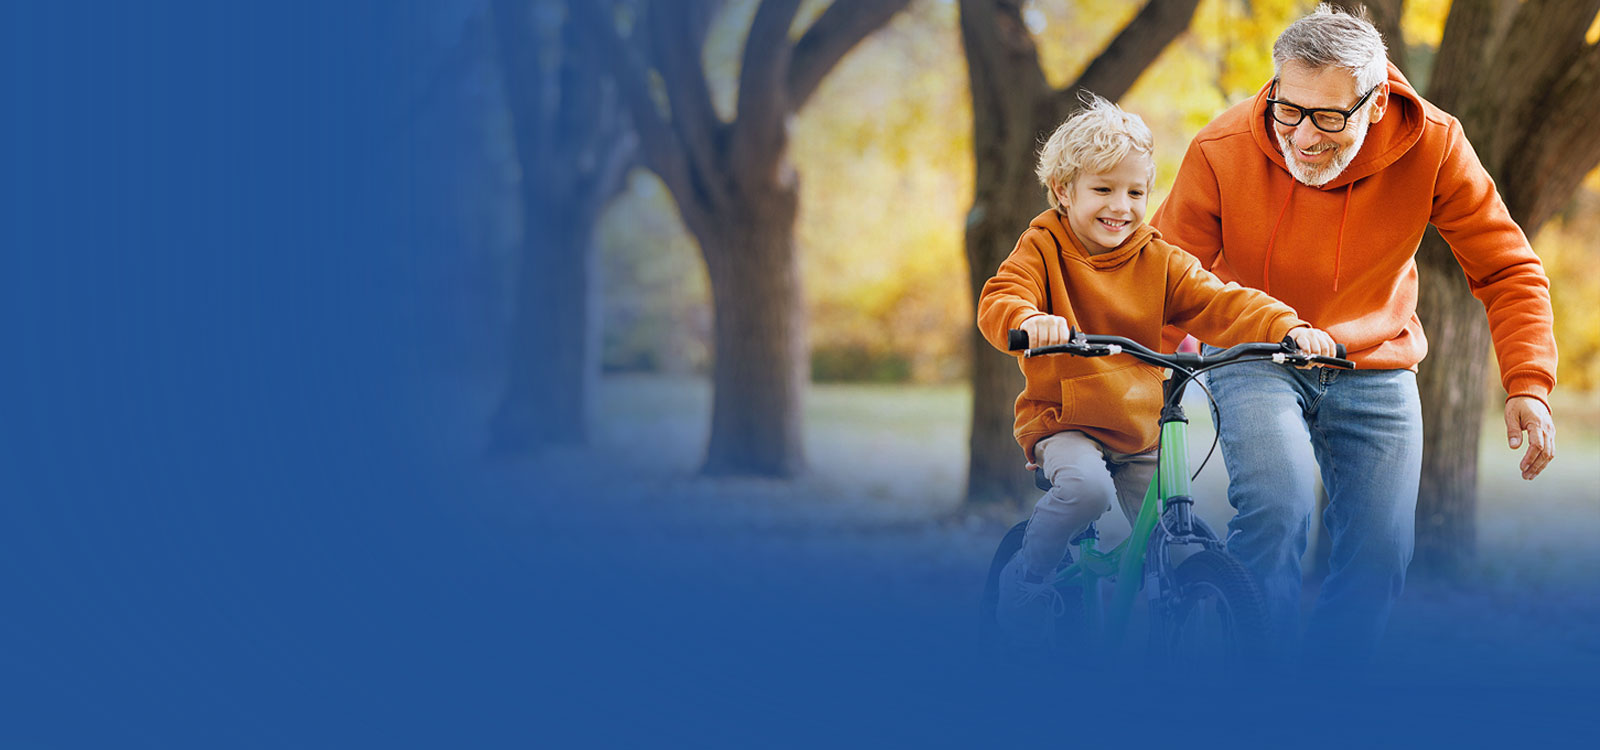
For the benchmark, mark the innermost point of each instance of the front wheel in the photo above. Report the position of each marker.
(988, 628)
(1069, 627)
(1216, 616)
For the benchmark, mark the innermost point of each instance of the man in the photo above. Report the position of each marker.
(1318, 191)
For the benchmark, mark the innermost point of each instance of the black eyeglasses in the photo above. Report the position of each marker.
(1326, 120)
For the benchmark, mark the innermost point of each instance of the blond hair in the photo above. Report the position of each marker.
(1091, 141)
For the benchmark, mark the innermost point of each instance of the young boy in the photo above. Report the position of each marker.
(1090, 262)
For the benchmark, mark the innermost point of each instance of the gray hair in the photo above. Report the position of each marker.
(1330, 36)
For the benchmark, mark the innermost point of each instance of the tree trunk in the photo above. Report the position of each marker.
(1451, 384)
(1006, 128)
(759, 374)
(1450, 380)
(736, 192)
(1502, 67)
(553, 359)
(573, 147)
(995, 468)
(1013, 109)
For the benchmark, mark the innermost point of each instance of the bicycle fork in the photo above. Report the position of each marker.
(1170, 487)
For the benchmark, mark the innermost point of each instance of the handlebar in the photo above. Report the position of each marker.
(1090, 345)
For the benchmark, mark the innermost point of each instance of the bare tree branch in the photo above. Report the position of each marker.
(1544, 40)
(1385, 15)
(1560, 148)
(451, 66)
(1468, 35)
(844, 24)
(758, 129)
(1115, 70)
(597, 119)
(663, 153)
(526, 82)
(677, 38)
(584, 101)
(999, 47)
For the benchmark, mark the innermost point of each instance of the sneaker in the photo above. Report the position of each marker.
(1028, 607)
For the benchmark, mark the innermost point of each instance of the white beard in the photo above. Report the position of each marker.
(1319, 176)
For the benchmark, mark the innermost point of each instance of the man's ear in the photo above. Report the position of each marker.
(1380, 102)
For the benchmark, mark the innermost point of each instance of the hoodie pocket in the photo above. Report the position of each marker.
(1112, 398)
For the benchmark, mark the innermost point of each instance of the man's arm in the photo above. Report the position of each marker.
(1191, 216)
(1191, 219)
(1506, 276)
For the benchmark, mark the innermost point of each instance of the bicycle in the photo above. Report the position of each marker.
(1204, 607)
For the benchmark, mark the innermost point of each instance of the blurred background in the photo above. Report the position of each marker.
(713, 264)
(880, 162)
(487, 372)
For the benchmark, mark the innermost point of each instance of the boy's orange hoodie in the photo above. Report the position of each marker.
(1342, 254)
(1133, 291)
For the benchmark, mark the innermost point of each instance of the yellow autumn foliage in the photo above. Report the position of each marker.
(884, 154)
(1571, 258)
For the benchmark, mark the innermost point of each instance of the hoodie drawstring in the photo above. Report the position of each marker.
(1338, 248)
(1272, 240)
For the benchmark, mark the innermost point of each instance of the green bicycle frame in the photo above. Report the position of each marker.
(1126, 560)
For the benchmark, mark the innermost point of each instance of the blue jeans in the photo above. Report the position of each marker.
(1362, 429)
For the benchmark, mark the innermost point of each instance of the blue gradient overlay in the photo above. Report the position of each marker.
(226, 520)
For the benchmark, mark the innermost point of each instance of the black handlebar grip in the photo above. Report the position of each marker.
(1016, 339)
(1339, 352)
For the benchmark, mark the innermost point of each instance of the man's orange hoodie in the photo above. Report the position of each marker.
(1133, 291)
(1342, 254)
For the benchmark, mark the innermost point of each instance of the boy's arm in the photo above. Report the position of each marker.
(1015, 293)
(1222, 314)
(1191, 218)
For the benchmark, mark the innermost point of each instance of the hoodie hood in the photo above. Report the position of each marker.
(1344, 255)
(1054, 222)
(1387, 140)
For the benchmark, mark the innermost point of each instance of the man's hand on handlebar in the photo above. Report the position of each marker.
(1314, 341)
(1081, 344)
(1047, 330)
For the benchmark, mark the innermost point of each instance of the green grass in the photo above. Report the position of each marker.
(883, 491)
(891, 451)
(900, 451)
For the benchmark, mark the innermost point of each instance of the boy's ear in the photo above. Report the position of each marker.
(1060, 192)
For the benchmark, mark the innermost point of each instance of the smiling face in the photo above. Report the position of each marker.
(1103, 208)
(1315, 156)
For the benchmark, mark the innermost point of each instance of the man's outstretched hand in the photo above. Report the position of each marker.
(1530, 415)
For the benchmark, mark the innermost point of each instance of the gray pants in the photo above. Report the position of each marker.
(1086, 476)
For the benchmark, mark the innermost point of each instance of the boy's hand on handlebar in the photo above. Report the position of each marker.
(1528, 414)
(1047, 330)
(1314, 341)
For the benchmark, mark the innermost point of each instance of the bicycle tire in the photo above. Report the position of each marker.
(1218, 616)
(1067, 626)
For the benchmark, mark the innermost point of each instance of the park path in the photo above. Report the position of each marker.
(897, 538)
